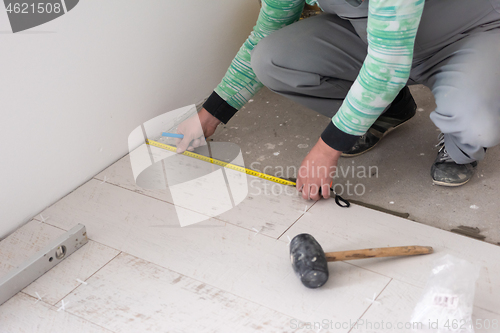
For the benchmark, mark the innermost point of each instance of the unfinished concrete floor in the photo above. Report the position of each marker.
(275, 134)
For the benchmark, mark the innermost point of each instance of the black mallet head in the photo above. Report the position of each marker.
(308, 261)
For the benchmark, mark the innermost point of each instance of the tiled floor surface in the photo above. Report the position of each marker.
(230, 273)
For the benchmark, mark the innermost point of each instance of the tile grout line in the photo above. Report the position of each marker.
(234, 225)
(369, 306)
(296, 221)
(41, 222)
(89, 277)
(97, 242)
(53, 308)
(396, 279)
(487, 310)
(374, 272)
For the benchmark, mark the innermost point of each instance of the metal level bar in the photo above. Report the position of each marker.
(20, 277)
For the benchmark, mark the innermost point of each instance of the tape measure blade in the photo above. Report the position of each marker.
(223, 164)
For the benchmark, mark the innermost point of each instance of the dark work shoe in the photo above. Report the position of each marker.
(402, 109)
(446, 172)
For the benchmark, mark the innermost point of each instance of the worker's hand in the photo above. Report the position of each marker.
(195, 130)
(317, 170)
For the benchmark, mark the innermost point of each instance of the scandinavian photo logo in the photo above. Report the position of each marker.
(198, 189)
(26, 14)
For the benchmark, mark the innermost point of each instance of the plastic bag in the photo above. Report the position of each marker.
(447, 302)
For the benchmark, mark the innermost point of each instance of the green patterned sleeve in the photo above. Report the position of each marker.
(392, 28)
(240, 82)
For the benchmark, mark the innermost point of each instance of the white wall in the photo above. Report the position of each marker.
(85, 80)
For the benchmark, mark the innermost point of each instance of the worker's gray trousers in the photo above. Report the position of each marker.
(457, 54)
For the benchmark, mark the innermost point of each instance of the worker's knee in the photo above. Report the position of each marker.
(473, 118)
(263, 59)
(483, 130)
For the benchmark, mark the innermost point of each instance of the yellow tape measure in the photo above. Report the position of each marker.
(238, 168)
(222, 163)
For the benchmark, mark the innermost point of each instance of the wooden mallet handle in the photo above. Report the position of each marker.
(399, 251)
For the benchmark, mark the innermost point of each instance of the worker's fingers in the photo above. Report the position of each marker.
(325, 190)
(314, 192)
(299, 184)
(305, 191)
(180, 130)
(183, 145)
(195, 143)
(302, 176)
(198, 142)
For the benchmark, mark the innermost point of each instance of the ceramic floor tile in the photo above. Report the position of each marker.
(23, 314)
(120, 173)
(25, 242)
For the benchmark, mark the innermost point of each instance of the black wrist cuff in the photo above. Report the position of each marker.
(337, 139)
(219, 108)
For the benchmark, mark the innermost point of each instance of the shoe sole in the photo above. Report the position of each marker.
(448, 184)
(383, 136)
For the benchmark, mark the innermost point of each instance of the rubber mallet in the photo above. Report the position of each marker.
(309, 261)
